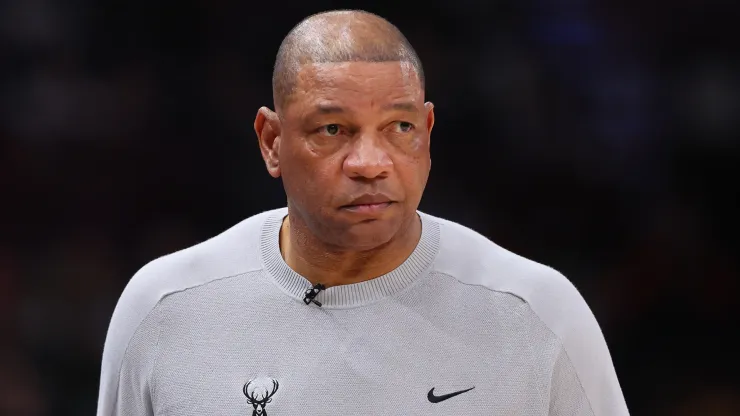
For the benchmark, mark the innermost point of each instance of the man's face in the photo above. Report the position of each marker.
(354, 150)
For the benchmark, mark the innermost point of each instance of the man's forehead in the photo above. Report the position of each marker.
(363, 75)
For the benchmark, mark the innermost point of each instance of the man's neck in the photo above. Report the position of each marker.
(318, 263)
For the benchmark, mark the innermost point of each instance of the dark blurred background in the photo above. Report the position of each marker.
(598, 137)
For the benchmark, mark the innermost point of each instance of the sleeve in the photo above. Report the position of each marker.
(130, 351)
(567, 396)
(583, 380)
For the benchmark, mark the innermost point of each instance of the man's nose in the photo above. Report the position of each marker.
(368, 159)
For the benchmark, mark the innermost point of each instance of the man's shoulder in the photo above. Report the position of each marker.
(473, 259)
(230, 253)
(233, 252)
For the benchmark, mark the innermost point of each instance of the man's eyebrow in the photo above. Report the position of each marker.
(335, 109)
(402, 106)
(328, 109)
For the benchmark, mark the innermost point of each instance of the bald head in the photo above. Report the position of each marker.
(339, 36)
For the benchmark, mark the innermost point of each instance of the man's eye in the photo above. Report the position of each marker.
(404, 126)
(330, 129)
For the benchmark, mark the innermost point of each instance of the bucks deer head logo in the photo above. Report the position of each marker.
(259, 392)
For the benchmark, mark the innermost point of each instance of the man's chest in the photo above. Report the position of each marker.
(327, 370)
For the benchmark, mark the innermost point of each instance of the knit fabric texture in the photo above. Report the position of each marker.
(221, 328)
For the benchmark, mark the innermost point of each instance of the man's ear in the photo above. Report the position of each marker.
(430, 124)
(430, 116)
(267, 127)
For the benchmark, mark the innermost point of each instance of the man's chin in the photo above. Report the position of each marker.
(367, 236)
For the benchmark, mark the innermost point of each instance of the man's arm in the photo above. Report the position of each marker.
(583, 380)
(130, 351)
(568, 397)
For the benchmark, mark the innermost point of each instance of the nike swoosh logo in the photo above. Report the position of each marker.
(436, 399)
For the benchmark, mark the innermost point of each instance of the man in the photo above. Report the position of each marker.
(350, 302)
